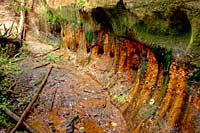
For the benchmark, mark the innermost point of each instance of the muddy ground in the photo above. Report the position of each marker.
(72, 100)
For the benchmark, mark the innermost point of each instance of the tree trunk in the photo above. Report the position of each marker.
(22, 20)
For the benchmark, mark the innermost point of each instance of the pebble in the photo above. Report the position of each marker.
(152, 101)
(113, 124)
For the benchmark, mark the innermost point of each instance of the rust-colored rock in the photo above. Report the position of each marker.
(147, 107)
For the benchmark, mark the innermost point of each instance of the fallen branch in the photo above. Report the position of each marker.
(47, 53)
(45, 64)
(17, 60)
(16, 118)
(12, 86)
(32, 101)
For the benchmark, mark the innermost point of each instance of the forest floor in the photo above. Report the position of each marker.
(72, 100)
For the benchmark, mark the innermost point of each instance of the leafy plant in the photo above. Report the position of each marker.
(89, 36)
(195, 75)
(54, 58)
(81, 3)
(56, 20)
(24, 101)
(7, 68)
(167, 59)
(16, 6)
(121, 98)
(4, 121)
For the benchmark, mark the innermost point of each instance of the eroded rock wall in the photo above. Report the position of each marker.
(159, 99)
(170, 24)
(145, 45)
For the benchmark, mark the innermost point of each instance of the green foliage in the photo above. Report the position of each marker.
(6, 68)
(23, 101)
(89, 36)
(120, 21)
(164, 86)
(15, 5)
(54, 58)
(81, 4)
(22, 53)
(4, 121)
(55, 19)
(121, 98)
(167, 59)
(195, 76)
(163, 56)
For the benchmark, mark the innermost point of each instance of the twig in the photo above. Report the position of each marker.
(53, 99)
(32, 101)
(45, 64)
(12, 86)
(47, 53)
(16, 118)
(20, 59)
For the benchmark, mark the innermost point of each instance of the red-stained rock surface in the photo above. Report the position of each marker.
(111, 90)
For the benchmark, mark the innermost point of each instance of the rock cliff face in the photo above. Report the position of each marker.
(158, 99)
(171, 24)
(147, 45)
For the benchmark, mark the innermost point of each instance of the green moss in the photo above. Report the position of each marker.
(143, 67)
(81, 4)
(54, 58)
(7, 67)
(121, 98)
(167, 59)
(164, 85)
(159, 37)
(70, 14)
(55, 20)
(195, 76)
(122, 21)
(4, 121)
(164, 57)
(89, 36)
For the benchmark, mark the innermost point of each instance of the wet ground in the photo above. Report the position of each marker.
(72, 100)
